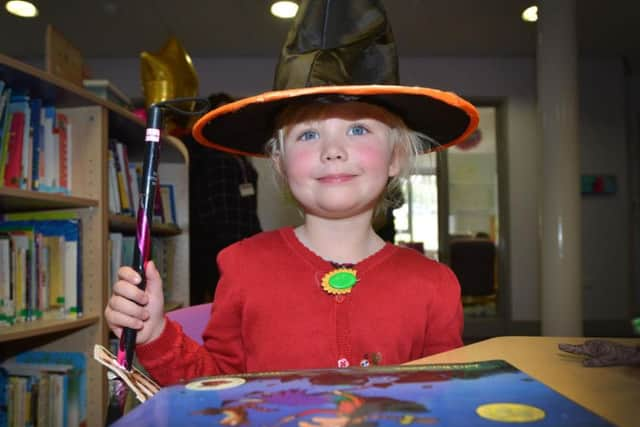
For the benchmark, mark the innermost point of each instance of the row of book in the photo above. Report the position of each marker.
(40, 266)
(35, 143)
(125, 187)
(162, 254)
(39, 388)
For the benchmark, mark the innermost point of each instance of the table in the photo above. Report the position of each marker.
(611, 392)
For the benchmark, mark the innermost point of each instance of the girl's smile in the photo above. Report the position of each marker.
(336, 178)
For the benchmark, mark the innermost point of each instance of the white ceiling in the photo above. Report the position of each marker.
(121, 28)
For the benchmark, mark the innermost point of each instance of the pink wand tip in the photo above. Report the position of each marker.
(122, 358)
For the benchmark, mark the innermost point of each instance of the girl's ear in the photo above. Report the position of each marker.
(276, 162)
(395, 165)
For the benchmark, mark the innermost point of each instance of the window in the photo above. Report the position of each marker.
(417, 220)
(466, 208)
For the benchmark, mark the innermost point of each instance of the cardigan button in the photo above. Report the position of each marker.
(343, 363)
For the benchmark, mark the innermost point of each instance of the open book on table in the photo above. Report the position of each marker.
(484, 393)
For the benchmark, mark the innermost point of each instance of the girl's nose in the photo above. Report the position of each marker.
(333, 156)
(334, 151)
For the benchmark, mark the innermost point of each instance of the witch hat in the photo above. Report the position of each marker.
(342, 49)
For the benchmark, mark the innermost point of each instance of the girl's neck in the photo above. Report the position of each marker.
(345, 241)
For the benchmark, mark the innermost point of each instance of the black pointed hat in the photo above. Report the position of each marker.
(343, 49)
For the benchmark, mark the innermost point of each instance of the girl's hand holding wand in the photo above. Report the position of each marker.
(134, 308)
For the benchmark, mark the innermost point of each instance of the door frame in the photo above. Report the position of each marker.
(490, 326)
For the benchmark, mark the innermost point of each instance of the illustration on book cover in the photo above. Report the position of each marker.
(480, 394)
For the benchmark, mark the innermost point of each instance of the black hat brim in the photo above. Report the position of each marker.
(244, 126)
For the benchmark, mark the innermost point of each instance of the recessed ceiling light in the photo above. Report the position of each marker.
(23, 9)
(284, 9)
(530, 14)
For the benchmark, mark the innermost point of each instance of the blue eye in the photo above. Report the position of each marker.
(357, 130)
(308, 135)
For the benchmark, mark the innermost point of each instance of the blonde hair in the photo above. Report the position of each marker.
(407, 144)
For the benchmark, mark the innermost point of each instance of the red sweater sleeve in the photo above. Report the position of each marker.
(174, 357)
(444, 328)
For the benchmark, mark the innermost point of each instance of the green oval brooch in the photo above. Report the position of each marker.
(339, 281)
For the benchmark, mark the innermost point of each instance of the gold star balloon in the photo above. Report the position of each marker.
(168, 74)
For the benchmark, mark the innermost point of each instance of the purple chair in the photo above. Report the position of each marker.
(192, 319)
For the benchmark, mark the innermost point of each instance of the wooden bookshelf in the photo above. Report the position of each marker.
(127, 225)
(94, 120)
(44, 327)
(17, 200)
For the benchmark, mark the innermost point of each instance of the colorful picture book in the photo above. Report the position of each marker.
(488, 393)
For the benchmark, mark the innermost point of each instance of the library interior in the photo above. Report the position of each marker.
(156, 131)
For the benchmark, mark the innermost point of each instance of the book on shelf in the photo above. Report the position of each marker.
(35, 144)
(122, 172)
(5, 93)
(15, 142)
(36, 132)
(49, 388)
(21, 392)
(6, 297)
(22, 281)
(163, 256)
(114, 192)
(49, 151)
(24, 155)
(120, 254)
(134, 180)
(45, 275)
(125, 188)
(115, 257)
(123, 185)
(119, 189)
(62, 132)
(128, 243)
(41, 393)
(168, 203)
(121, 249)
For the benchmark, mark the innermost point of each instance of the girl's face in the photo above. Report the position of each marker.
(337, 164)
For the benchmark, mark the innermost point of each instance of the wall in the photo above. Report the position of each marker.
(632, 89)
(605, 219)
(602, 133)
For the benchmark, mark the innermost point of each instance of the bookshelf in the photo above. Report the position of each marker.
(94, 120)
(173, 263)
(17, 200)
(127, 224)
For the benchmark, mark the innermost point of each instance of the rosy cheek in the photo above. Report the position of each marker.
(374, 157)
(298, 163)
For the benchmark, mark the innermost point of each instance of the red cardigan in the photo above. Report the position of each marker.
(270, 313)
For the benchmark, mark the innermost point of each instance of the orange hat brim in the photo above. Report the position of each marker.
(244, 126)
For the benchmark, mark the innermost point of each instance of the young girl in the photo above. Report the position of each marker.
(329, 293)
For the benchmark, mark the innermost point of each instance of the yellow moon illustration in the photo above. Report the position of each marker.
(510, 412)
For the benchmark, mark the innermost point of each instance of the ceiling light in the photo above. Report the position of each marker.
(284, 9)
(23, 9)
(530, 14)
